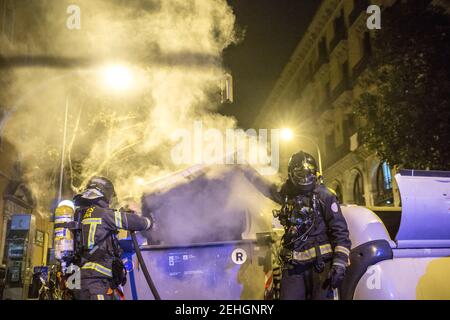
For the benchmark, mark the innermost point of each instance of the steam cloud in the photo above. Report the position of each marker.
(174, 49)
(209, 203)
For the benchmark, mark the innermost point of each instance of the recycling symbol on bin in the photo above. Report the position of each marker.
(239, 256)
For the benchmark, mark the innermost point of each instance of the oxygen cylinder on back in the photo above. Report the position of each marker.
(64, 238)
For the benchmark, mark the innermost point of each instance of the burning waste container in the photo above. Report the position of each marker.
(217, 270)
(211, 237)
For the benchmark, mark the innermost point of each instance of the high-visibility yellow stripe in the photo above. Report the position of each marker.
(97, 267)
(118, 219)
(342, 249)
(100, 297)
(91, 237)
(311, 253)
(93, 222)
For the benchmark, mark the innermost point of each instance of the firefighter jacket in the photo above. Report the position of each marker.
(99, 245)
(315, 229)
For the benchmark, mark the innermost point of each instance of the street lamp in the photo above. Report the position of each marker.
(117, 77)
(287, 134)
(140, 181)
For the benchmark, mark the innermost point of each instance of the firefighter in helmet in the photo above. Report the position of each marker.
(102, 271)
(316, 246)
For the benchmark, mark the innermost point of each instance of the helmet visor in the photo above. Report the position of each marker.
(103, 186)
(91, 194)
(303, 175)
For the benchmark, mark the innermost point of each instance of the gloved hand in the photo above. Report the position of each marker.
(336, 275)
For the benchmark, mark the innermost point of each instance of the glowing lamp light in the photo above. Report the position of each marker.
(286, 134)
(140, 181)
(117, 77)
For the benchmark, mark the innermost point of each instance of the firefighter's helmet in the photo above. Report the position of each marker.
(302, 171)
(99, 187)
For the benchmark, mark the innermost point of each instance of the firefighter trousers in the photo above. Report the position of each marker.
(96, 289)
(303, 282)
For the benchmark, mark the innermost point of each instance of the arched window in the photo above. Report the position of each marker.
(384, 196)
(358, 190)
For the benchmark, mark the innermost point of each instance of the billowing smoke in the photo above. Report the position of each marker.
(209, 203)
(173, 49)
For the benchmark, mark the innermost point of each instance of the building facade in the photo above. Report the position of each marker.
(313, 97)
(20, 34)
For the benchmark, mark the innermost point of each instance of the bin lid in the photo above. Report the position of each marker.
(425, 220)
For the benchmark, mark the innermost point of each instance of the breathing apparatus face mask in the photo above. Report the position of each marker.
(99, 188)
(303, 176)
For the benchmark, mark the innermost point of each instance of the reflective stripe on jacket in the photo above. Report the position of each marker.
(97, 267)
(310, 254)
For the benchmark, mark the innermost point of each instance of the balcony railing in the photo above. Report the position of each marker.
(360, 6)
(323, 55)
(338, 37)
(323, 59)
(340, 32)
(344, 85)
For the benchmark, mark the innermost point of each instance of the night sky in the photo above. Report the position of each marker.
(272, 31)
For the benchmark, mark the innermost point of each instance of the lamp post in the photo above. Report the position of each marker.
(287, 135)
(117, 77)
(63, 150)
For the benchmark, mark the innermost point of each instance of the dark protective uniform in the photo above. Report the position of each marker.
(316, 237)
(99, 226)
